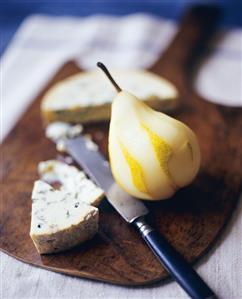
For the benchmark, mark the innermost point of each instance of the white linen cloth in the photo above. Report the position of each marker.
(41, 45)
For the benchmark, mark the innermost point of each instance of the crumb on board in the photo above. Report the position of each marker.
(90, 144)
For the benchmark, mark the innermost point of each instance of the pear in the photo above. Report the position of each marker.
(152, 155)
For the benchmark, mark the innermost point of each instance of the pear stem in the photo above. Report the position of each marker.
(106, 71)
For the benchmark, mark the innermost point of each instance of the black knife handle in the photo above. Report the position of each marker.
(174, 263)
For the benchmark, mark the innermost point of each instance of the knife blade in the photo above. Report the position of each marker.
(97, 168)
(133, 211)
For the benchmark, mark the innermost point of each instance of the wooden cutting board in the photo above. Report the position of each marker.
(191, 220)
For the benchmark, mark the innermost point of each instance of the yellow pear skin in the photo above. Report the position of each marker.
(151, 154)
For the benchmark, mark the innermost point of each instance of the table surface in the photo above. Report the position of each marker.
(221, 268)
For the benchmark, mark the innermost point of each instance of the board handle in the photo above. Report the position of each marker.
(174, 263)
(196, 28)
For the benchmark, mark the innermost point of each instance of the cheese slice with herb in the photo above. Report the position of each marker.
(87, 97)
(59, 220)
(71, 180)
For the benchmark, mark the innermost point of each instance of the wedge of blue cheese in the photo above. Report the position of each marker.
(71, 180)
(86, 97)
(63, 218)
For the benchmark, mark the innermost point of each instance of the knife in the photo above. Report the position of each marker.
(133, 211)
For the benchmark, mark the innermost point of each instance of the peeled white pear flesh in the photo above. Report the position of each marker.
(151, 154)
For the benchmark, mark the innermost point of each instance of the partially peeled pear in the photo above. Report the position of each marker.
(151, 154)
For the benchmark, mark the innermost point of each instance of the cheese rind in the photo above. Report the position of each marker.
(87, 97)
(59, 220)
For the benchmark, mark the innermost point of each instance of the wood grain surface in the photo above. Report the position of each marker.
(191, 220)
